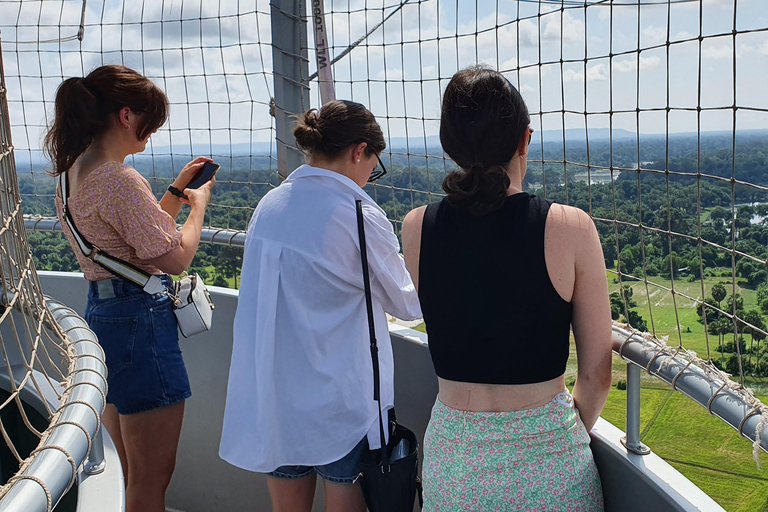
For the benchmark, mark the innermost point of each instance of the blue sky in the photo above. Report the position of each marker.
(214, 61)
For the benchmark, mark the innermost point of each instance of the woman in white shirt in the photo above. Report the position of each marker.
(300, 395)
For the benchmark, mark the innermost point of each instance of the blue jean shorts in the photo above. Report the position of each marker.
(344, 471)
(139, 335)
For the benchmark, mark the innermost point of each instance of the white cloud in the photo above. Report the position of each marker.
(682, 36)
(597, 73)
(625, 65)
(764, 48)
(722, 51)
(509, 64)
(629, 64)
(390, 74)
(744, 49)
(571, 30)
(649, 62)
(571, 75)
(653, 35)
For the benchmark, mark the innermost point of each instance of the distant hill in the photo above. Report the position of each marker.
(262, 153)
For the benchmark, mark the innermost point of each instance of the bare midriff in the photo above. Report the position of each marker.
(467, 396)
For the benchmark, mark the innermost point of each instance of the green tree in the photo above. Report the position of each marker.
(754, 318)
(718, 293)
(637, 321)
(762, 292)
(739, 304)
(220, 280)
(228, 262)
(712, 315)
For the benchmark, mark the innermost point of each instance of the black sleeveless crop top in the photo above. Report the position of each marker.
(493, 315)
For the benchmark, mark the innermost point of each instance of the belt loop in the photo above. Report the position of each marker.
(106, 289)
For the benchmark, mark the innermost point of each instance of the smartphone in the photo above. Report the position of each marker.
(202, 176)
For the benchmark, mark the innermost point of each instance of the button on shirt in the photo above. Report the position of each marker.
(301, 382)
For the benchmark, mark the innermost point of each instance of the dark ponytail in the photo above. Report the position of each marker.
(84, 107)
(482, 122)
(335, 127)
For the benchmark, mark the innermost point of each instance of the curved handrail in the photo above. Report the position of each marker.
(231, 237)
(697, 379)
(51, 468)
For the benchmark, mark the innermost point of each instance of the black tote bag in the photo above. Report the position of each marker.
(390, 478)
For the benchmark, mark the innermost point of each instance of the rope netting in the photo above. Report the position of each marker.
(37, 377)
(650, 115)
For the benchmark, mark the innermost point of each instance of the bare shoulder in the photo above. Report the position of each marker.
(412, 223)
(571, 215)
(415, 216)
(570, 222)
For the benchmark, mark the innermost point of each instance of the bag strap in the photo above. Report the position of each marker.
(371, 328)
(149, 283)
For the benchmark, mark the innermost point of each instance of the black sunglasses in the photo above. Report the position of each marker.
(378, 172)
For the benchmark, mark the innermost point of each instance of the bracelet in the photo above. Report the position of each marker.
(178, 193)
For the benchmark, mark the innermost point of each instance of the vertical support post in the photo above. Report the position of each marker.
(290, 57)
(632, 440)
(324, 72)
(96, 461)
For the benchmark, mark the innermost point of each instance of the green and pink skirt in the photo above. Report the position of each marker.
(534, 459)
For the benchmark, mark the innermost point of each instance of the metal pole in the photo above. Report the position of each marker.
(96, 462)
(632, 440)
(290, 69)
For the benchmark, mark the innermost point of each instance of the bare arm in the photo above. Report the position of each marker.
(412, 242)
(178, 259)
(591, 322)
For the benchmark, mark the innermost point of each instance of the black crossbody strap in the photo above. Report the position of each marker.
(371, 328)
(121, 268)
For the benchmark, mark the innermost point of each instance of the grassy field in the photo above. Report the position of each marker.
(703, 448)
(667, 310)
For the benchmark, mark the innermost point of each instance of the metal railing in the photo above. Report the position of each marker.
(75, 429)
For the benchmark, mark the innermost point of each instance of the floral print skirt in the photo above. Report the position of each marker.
(534, 459)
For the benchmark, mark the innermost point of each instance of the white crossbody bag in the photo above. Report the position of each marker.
(192, 303)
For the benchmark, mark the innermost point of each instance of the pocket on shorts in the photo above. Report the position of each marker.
(117, 336)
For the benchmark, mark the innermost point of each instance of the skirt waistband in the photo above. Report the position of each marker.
(557, 414)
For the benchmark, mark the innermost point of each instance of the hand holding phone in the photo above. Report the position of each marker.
(204, 175)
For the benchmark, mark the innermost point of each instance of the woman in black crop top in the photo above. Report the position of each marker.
(503, 276)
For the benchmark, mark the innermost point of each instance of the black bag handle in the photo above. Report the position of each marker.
(371, 328)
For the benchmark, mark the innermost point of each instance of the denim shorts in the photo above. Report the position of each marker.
(139, 335)
(344, 471)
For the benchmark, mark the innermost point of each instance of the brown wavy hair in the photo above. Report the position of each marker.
(84, 107)
(482, 121)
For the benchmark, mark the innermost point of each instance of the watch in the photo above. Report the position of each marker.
(178, 193)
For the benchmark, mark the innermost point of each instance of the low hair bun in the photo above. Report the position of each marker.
(480, 189)
(308, 133)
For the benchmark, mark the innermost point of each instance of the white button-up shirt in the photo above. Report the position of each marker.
(301, 379)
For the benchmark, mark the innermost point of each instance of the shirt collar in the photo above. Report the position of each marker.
(307, 171)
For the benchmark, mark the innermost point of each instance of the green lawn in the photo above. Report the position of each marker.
(702, 447)
(667, 309)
